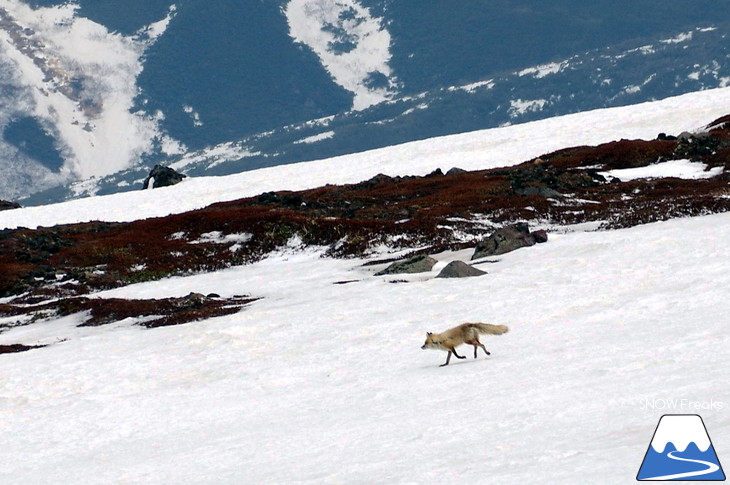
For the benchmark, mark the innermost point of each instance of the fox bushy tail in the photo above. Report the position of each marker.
(490, 328)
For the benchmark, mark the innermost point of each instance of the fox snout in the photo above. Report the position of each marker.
(423, 347)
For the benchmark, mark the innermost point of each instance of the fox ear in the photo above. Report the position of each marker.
(429, 333)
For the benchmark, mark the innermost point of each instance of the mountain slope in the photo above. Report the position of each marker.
(321, 383)
(470, 151)
(320, 379)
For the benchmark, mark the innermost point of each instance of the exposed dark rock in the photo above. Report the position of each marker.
(7, 205)
(505, 240)
(102, 311)
(417, 264)
(161, 176)
(455, 171)
(285, 199)
(15, 348)
(459, 269)
(540, 236)
(542, 179)
(696, 145)
(541, 191)
(719, 124)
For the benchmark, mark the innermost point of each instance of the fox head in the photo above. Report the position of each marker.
(431, 342)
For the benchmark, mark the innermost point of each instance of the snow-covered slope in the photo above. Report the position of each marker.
(323, 383)
(477, 150)
(320, 382)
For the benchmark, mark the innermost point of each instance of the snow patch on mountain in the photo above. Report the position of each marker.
(539, 72)
(683, 37)
(315, 138)
(683, 169)
(472, 87)
(352, 44)
(519, 107)
(78, 81)
(215, 156)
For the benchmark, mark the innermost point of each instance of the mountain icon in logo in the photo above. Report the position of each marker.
(681, 450)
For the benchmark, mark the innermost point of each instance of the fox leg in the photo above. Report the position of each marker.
(476, 343)
(457, 355)
(448, 357)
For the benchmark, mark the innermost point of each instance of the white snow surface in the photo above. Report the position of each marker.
(684, 169)
(320, 383)
(471, 151)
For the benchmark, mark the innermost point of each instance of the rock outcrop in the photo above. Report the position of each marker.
(161, 176)
(459, 269)
(417, 264)
(7, 205)
(507, 239)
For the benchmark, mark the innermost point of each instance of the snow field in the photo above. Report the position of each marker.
(324, 383)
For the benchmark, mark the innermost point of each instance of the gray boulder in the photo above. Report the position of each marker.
(505, 240)
(417, 264)
(161, 176)
(540, 236)
(459, 269)
(455, 171)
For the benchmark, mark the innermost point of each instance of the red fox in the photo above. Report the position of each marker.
(466, 333)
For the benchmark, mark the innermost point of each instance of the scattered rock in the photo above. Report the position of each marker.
(288, 200)
(161, 176)
(455, 171)
(192, 300)
(541, 191)
(696, 145)
(543, 179)
(459, 269)
(505, 240)
(417, 264)
(540, 236)
(7, 205)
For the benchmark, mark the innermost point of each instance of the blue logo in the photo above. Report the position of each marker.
(681, 450)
